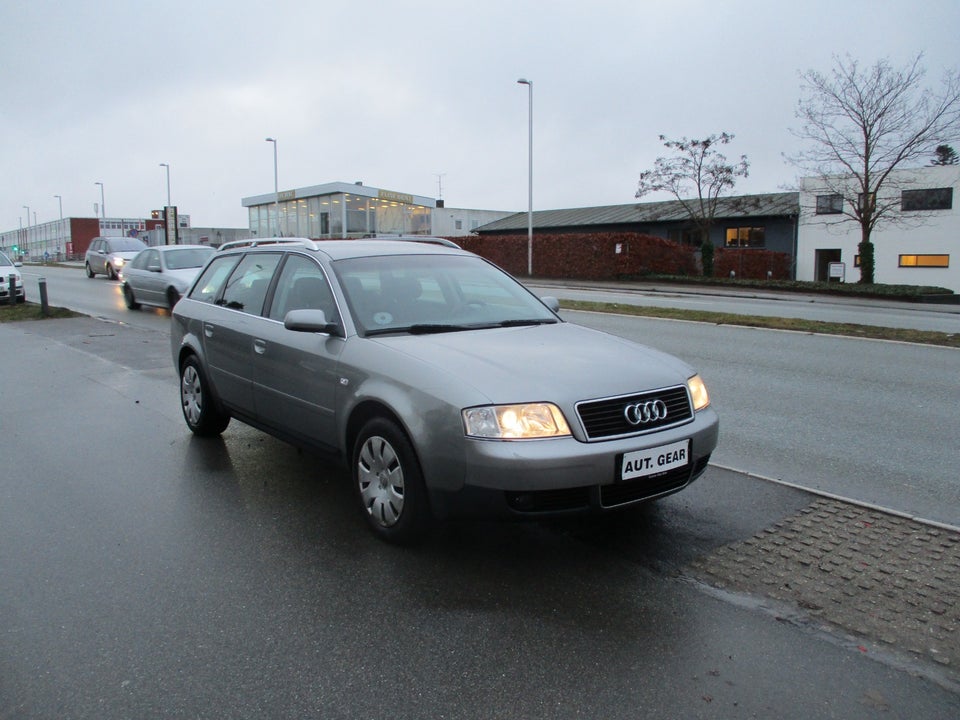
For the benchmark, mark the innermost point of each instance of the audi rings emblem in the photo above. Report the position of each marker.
(644, 413)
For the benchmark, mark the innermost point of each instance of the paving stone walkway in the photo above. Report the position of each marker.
(875, 576)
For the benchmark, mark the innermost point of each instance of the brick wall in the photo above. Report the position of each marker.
(595, 256)
(586, 256)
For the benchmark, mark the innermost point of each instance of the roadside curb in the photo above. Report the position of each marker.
(840, 498)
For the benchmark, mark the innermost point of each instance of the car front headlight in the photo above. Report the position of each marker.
(515, 422)
(698, 392)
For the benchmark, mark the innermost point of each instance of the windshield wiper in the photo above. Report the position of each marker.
(530, 321)
(428, 328)
(418, 329)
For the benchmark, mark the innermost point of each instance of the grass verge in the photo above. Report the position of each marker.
(924, 337)
(32, 311)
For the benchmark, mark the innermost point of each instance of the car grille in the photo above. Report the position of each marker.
(605, 419)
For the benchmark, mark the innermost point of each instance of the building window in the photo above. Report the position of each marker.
(928, 199)
(685, 236)
(873, 201)
(746, 237)
(924, 261)
(829, 204)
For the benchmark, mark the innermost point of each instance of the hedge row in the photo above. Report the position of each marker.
(613, 256)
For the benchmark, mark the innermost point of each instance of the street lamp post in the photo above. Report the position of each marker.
(276, 186)
(26, 236)
(60, 226)
(529, 84)
(103, 204)
(167, 166)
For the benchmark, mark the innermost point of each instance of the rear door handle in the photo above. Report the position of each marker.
(259, 346)
(208, 330)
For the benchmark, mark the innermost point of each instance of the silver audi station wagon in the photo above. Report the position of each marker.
(445, 386)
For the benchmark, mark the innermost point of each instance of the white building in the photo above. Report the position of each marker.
(918, 243)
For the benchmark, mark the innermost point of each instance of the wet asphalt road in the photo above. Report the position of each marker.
(146, 573)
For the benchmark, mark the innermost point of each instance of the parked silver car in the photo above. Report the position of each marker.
(161, 275)
(442, 382)
(108, 255)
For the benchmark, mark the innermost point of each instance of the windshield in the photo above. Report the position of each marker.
(434, 293)
(125, 245)
(182, 258)
(4, 260)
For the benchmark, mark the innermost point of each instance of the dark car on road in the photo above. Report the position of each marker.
(443, 384)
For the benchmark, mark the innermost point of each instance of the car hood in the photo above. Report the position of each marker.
(184, 276)
(125, 255)
(559, 362)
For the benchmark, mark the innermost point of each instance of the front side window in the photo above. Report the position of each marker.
(302, 286)
(145, 260)
(928, 199)
(248, 284)
(211, 282)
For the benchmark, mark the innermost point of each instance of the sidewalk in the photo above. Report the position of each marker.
(858, 572)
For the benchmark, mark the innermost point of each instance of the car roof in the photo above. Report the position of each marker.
(167, 248)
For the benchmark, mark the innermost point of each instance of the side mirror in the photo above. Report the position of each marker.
(551, 302)
(310, 320)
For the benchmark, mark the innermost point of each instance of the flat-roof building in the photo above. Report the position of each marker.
(345, 210)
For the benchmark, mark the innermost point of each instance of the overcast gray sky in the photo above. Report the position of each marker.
(395, 94)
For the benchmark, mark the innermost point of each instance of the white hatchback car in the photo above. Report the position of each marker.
(8, 268)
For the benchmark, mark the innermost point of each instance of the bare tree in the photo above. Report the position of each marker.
(863, 123)
(696, 176)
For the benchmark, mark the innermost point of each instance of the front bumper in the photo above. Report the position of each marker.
(5, 292)
(565, 476)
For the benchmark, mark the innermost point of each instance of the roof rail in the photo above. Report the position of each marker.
(429, 239)
(260, 242)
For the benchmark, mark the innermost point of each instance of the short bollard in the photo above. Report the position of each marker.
(44, 305)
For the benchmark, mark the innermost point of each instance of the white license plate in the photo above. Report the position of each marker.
(653, 461)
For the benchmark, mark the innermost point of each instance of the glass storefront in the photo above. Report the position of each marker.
(339, 215)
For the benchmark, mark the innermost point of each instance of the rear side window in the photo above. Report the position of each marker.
(248, 284)
(208, 286)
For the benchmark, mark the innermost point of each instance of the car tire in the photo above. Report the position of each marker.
(389, 483)
(111, 272)
(199, 407)
(90, 272)
(173, 297)
(129, 298)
